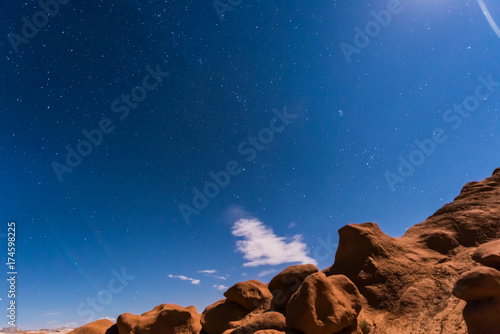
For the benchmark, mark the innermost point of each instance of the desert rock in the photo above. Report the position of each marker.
(103, 326)
(478, 284)
(250, 294)
(284, 285)
(324, 305)
(220, 316)
(480, 287)
(163, 319)
(263, 321)
(488, 254)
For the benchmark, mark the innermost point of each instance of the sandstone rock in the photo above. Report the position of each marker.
(380, 266)
(284, 285)
(250, 294)
(263, 321)
(480, 287)
(482, 317)
(440, 241)
(273, 331)
(472, 218)
(323, 305)
(103, 326)
(488, 254)
(417, 294)
(478, 284)
(218, 317)
(163, 319)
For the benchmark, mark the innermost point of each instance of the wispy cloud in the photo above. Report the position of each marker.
(221, 287)
(267, 272)
(260, 246)
(211, 273)
(185, 278)
(208, 271)
(236, 212)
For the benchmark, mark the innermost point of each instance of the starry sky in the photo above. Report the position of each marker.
(161, 151)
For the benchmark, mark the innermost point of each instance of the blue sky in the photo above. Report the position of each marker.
(165, 101)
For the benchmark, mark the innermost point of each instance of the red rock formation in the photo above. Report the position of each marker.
(284, 285)
(250, 294)
(324, 305)
(480, 288)
(262, 321)
(488, 254)
(221, 316)
(163, 319)
(103, 326)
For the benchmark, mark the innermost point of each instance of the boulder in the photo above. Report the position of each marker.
(488, 254)
(163, 319)
(219, 316)
(262, 321)
(273, 331)
(250, 294)
(480, 287)
(380, 266)
(103, 326)
(324, 305)
(287, 282)
(478, 284)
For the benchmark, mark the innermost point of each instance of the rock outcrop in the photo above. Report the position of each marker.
(480, 288)
(407, 281)
(488, 254)
(264, 321)
(324, 305)
(287, 282)
(221, 316)
(103, 326)
(250, 294)
(163, 319)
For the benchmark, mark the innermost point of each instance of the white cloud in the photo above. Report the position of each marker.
(208, 271)
(267, 272)
(185, 278)
(221, 287)
(211, 272)
(262, 247)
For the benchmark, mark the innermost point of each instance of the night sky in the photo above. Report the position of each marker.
(161, 151)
